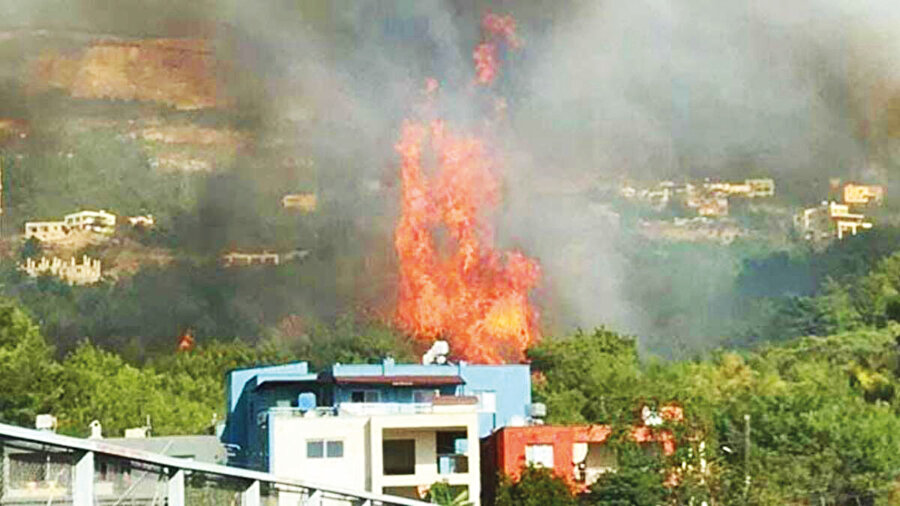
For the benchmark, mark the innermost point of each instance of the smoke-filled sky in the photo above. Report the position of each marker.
(800, 91)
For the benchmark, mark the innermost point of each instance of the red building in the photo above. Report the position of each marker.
(578, 454)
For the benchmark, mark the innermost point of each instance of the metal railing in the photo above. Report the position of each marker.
(38, 467)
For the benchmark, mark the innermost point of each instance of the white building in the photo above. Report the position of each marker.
(95, 221)
(46, 231)
(392, 448)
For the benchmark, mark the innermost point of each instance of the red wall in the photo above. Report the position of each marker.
(504, 450)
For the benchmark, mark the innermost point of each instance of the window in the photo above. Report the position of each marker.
(365, 396)
(423, 396)
(319, 449)
(451, 452)
(539, 455)
(314, 450)
(334, 449)
(399, 456)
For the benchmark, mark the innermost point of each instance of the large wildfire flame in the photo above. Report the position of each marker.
(460, 289)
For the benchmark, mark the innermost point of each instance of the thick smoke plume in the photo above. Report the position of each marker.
(601, 91)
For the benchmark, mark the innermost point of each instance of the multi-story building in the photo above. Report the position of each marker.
(49, 231)
(829, 220)
(95, 221)
(579, 454)
(388, 428)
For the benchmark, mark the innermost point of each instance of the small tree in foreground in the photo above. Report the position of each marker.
(537, 486)
(447, 495)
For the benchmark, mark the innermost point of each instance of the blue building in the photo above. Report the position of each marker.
(503, 395)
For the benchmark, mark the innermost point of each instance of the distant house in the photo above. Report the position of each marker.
(304, 202)
(830, 220)
(237, 259)
(388, 428)
(862, 194)
(51, 231)
(95, 221)
(46, 231)
(200, 448)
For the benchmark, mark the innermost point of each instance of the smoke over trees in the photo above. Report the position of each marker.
(599, 92)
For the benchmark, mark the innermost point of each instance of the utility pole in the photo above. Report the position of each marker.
(746, 456)
(1, 197)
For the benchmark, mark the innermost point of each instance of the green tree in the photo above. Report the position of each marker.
(637, 481)
(27, 370)
(31, 248)
(535, 487)
(448, 495)
(587, 376)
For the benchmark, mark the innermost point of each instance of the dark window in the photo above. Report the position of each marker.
(365, 396)
(451, 452)
(334, 449)
(314, 449)
(399, 456)
(449, 443)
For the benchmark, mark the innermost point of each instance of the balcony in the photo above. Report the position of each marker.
(452, 463)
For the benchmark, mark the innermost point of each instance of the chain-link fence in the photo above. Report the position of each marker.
(202, 489)
(123, 482)
(32, 471)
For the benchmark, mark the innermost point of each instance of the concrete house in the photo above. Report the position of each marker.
(388, 428)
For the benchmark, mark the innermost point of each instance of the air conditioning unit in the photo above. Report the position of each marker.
(537, 410)
(45, 422)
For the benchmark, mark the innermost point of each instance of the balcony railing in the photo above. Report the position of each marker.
(384, 408)
(451, 463)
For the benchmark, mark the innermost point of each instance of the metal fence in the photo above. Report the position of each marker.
(38, 467)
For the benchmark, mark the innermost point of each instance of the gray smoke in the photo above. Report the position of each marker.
(600, 92)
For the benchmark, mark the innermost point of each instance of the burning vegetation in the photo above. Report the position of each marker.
(462, 289)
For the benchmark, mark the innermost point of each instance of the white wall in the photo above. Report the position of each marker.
(288, 453)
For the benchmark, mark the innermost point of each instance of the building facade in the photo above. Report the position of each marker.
(579, 454)
(389, 428)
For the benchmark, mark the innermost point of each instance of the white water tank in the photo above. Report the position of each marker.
(45, 422)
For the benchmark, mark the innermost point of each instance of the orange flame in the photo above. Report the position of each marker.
(459, 288)
(485, 54)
